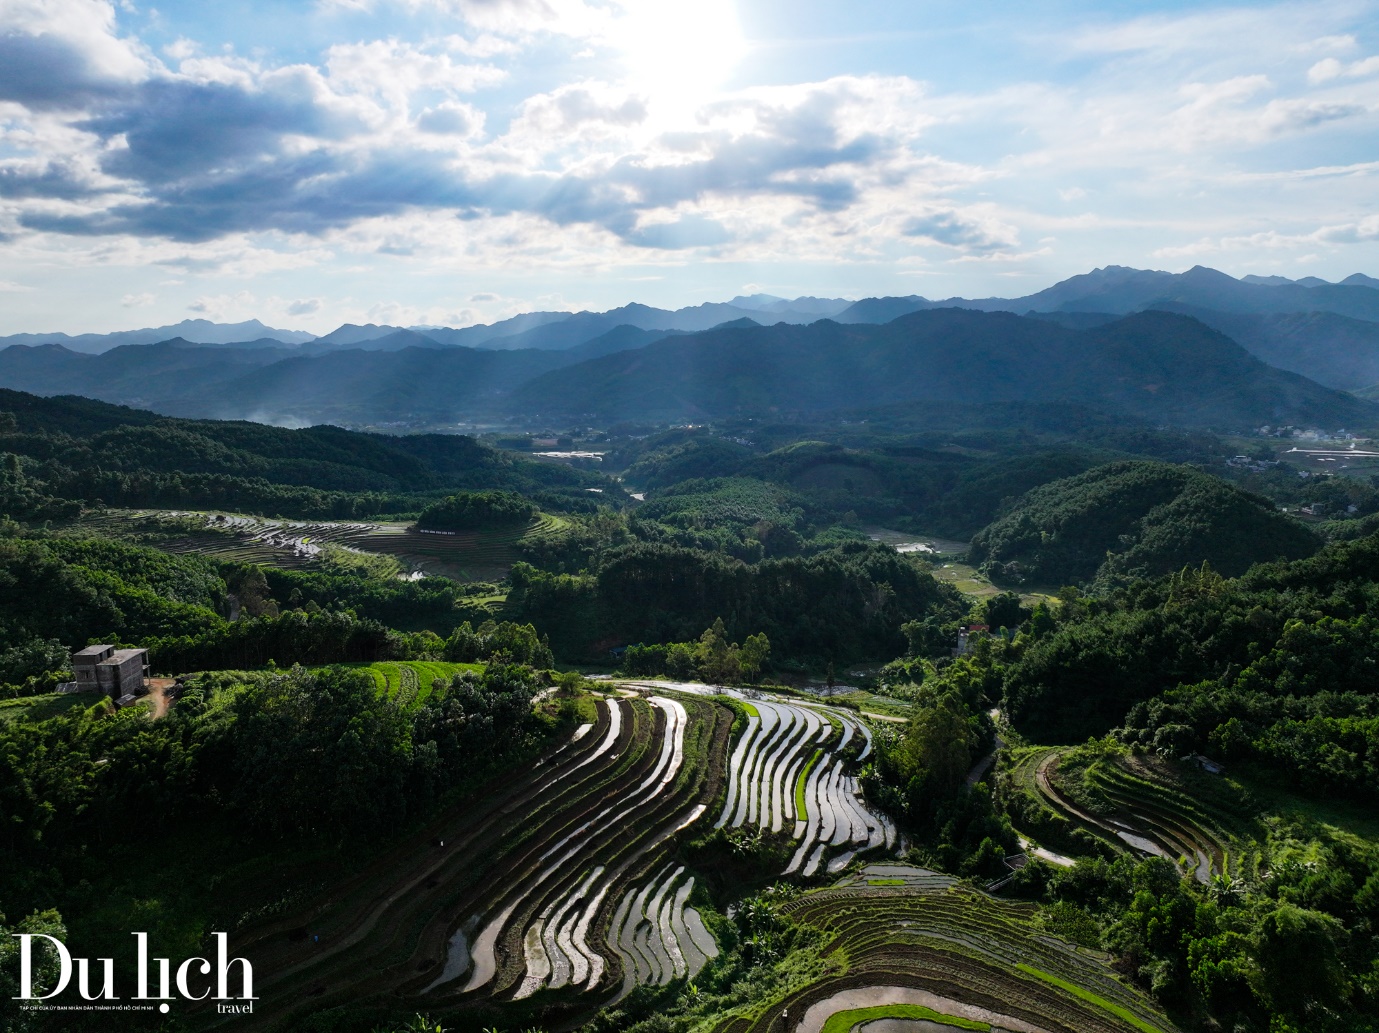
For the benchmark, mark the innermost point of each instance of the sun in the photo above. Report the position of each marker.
(677, 53)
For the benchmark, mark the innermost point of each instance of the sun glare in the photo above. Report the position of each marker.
(678, 52)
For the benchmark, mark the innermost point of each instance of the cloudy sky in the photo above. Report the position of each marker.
(453, 161)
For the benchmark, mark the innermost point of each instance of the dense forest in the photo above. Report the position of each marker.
(81, 787)
(1271, 673)
(844, 603)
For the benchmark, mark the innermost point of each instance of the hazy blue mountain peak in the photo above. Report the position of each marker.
(195, 331)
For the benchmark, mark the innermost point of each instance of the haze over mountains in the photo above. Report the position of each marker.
(203, 331)
(1234, 353)
(1153, 366)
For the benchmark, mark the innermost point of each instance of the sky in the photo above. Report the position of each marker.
(315, 162)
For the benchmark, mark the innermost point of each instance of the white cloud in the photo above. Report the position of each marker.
(969, 230)
(1364, 230)
(392, 71)
(1329, 69)
(81, 33)
(496, 151)
(451, 118)
(1324, 70)
(304, 307)
(138, 300)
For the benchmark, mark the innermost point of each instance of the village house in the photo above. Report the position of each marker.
(119, 673)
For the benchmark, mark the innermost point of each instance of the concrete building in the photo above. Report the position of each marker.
(116, 672)
(964, 637)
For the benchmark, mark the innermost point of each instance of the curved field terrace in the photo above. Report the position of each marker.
(919, 946)
(559, 885)
(1138, 804)
(792, 773)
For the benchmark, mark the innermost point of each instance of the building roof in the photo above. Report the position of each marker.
(121, 656)
(93, 651)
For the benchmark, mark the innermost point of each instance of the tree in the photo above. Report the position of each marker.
(323, 751)
(1006, 611)
(1041, 621)
(937, 748)
(753, 655)
(1297, 952)
(45, 972)
(716, 659)
(680, 661)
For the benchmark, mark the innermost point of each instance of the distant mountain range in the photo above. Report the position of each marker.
(1225, 358)
(1160, 367)
(559, 330)
(202, 331)
(1113, 290)
(1119, 290)
(1155, 366)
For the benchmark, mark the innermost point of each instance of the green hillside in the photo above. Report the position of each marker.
(76, 448)
(1139, 519)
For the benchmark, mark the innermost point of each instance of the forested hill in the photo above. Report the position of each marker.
(1153, 365)
(1334, 350)
(272, 384)
(1136, 519)
(78, 449)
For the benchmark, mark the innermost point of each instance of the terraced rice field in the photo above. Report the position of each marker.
(657, 936)
(533, 889)
(559, 885)
(791, 773)
(1141, 804)
(960, 954)
(294, 544)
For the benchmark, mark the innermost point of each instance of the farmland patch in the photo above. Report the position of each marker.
(296, 544)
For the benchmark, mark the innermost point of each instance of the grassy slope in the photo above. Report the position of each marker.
(40, 708)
